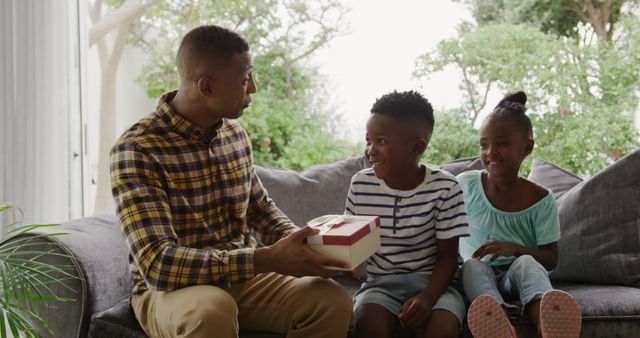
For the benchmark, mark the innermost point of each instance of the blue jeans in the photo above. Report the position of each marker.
(525, 280)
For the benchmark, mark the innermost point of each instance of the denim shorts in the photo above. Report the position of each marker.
(392, 291)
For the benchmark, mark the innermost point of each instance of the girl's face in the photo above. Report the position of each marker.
(503, 147)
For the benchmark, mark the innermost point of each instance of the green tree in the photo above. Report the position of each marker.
(558, 17)
(453, 137)
(581, 96)
(288, 124)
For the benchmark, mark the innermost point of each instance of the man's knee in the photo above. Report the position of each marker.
(330, 296)
(325, 300)
(210, 311)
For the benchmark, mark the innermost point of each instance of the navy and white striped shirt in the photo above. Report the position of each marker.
(410, 220)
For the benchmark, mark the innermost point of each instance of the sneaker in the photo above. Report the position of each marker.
(487, 319)
(560, 315)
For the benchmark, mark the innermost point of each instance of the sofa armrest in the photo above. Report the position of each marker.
(101, 271)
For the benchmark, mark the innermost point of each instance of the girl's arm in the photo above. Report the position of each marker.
(547, 254)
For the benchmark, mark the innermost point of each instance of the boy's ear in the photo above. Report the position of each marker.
(420, 146)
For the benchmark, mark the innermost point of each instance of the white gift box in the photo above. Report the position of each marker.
(350, 238)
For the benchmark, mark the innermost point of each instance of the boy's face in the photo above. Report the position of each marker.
(503, 147)
(393, 148)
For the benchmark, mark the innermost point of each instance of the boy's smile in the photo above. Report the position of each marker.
(391, 150)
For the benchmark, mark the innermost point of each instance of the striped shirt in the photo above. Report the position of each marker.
(411, 221)
(190, 205)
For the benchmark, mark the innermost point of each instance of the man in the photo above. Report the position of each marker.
(193, 211)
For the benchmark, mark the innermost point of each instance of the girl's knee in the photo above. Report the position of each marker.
(472, 267)
(527, 262)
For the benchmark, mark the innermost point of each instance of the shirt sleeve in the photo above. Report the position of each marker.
(269, 223)
(451, 216)
(547, 222)
(349, 207)
(144, 216)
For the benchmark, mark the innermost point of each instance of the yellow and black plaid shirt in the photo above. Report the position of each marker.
(190, 206)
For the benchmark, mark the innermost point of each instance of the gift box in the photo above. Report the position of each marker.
(347, 237)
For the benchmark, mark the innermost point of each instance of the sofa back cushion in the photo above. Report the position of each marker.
(461, 165)
(552, 177)
(317, 191)
(600, 224)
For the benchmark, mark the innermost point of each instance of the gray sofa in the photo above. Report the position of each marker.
(599, 262)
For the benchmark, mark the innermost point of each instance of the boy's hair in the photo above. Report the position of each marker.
(513, 107)
(204, 43)
(406, 105)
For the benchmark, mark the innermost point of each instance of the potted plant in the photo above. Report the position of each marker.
(26, 275)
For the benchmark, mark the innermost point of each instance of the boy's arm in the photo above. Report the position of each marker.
(415, 312)
(444, 270)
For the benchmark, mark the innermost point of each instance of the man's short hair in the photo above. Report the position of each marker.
(204, 45)
(406, 106)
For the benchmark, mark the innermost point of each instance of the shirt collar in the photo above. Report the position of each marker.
(179, 123)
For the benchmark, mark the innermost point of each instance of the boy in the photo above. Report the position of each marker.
(422, 217)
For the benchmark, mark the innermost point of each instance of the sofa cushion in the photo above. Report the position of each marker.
(463, 164)
(552, 177)
(117, 321)
(600, 225)
(604, 301)
(319, 190)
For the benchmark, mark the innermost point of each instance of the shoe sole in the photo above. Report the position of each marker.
(487, 319)
(560, 315)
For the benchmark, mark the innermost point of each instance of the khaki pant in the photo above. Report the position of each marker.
(309, 307)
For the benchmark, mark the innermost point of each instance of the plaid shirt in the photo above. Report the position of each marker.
(190, 206)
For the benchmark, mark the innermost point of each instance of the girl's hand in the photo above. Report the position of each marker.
(416, 311)
(497, 248)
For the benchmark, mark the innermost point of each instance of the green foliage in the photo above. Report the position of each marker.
(595, 85)
(288, 124)
(26, 277)
(557, 17)
(453, 137)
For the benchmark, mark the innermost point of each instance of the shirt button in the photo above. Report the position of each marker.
(396, 221)
(397, 210)
(398, 199)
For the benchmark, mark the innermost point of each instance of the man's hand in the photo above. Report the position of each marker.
(416, 311)
(290, 256)
(497, 248)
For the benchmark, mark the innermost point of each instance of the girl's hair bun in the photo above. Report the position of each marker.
(515, 101)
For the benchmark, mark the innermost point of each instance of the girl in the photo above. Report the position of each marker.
(514, 233)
